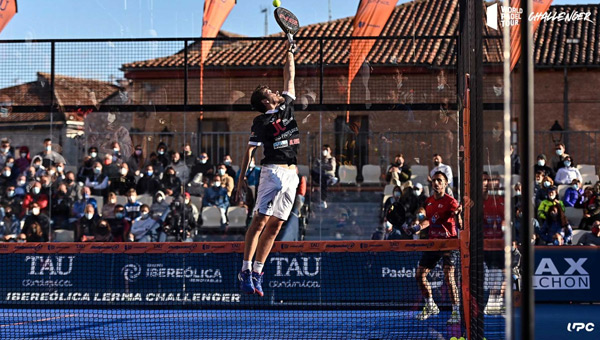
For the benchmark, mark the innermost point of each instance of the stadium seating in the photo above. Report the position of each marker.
(388, 191)
(122, 200)
(371, 174)
(589, 179)
(586, 169)
(419, 174)
(347, 174)
(197, 201)
(237, 217)
(562, 189)
(304, 170)
(62, 235)
(235, 168)
(577, 234)
(145, 199)
(211, 218)
(99, 202)
(574, 216)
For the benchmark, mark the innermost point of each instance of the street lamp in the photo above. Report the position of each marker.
(556, 132)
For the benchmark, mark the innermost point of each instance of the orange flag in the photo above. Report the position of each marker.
(8, 8)
(215, 13)
(539, 7)
(371, 17)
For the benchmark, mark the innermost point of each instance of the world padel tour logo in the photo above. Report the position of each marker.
(511, 16)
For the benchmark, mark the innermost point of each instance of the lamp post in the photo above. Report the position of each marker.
(556, 132)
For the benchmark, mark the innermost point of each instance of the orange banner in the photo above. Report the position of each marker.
(539, 7)
(370, 19)
(8, 8)
(215, 13)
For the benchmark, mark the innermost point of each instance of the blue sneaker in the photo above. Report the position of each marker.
(257, 279)
(246, 284)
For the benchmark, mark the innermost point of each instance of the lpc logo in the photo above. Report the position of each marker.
(580, 327)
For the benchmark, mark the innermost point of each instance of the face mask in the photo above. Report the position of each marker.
(397, 194)
(175, 161)
(437, 163)
(23, 155)
(144, 215)
(575, 186)
(132, 198)
(520, 215)
(21, 183)
(113, 201)
(159, 199)
(36, 166)
(86, 196)
(51, 172)
(325, 153)
(49, 148)
(541, 162)
(417, 192)
(138, 152)
(119, 215)
(567, 164)
(420, 216)
(187, 201)
(89, 216)
(161, 152)
(217, 184)
(227, 162)
(388, 225)
(116, 151)
(97, 170)
(546, 184)
(221, 172)
(517, 193)
(93, 154)
(6, 173)
(124, 172)
(551, 197)
(10, 193)
(59, 169)
(35, 211)
(559, 152)
(5, 150)
(36, 190)
(203, 160)
(189, 153)
(149, 173)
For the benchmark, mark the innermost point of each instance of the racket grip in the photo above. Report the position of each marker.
(290, 38)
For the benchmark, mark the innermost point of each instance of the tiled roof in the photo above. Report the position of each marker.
(418, 18)
(67, 91)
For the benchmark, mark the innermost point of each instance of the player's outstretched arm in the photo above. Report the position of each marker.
(289, 71)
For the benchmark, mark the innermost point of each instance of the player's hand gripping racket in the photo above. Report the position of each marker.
(288, 23)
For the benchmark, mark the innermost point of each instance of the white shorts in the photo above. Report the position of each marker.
(276, 191)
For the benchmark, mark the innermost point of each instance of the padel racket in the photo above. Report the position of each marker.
(287, 21)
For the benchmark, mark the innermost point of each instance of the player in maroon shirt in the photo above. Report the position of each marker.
(441, 210)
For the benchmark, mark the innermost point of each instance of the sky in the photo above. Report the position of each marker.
(63, 19)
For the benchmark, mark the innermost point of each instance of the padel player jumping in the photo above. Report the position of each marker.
(441, 210)
(276, 130)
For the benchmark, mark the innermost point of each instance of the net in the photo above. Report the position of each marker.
(313, 290)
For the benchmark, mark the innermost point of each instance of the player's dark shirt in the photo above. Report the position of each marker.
(277, 130)
(440, 213)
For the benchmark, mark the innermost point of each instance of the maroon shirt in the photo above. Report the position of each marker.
(440, 214)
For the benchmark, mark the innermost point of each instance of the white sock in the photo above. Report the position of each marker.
(429, 301)
(246, 265)
(258, 267)
(456, 308)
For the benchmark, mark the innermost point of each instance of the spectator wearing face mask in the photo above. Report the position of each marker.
(226, 180)
(21, 186)
(24, 160)
(228, 165)
(94, 155)
(111, 169)
(161, 153)
(191, 207)
(412, 224)
(179, 223)
(10, 228)
(5, 151)
(573, 194)
(35, 196)
(108, 209)
(122, 184)
(396, 194)
(98, 182)
(38, 168)
(73, 187)
(159, 207)
(203, 167)
(188, 156)
(119, 226)
(559, 157)
(156, 164)
(103, 232)
(591, 208)
(39, 232)
(61, 209)
(86, 169)
(398, 172)
(46, 181)
(10, 199)
(568, 172)
(149, 182)
(170, 183)
(14, 171)
(541, 190)
(86, 225)
(144, 228)
(136, 161)
(84, 199)
(592, 238)
(550, 201)
(117, 156)
(556, 229)
(216, 196)
(181, 169)
(441, 167)
(387, 232)
(542, 165)
(6, 178)
(132, 207)
(49, 156)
